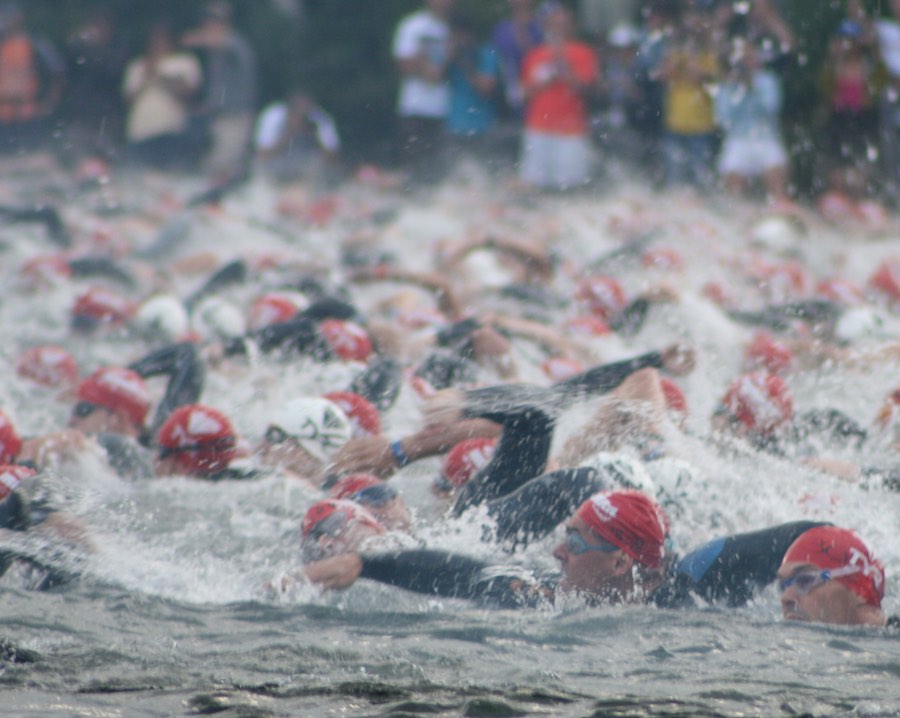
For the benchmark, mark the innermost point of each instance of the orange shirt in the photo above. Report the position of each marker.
(558, 109)
(18, 79)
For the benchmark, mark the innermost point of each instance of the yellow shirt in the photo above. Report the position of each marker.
(689, 106)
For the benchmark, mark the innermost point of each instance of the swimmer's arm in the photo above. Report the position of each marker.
(67, 527)
(443, 291)
(533, 256)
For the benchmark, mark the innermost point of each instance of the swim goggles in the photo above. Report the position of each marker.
(576, 545)
(806, 581)
(377, 495)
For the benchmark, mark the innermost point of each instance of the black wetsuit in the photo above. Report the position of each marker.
(25, 508)
(528, 416)
(819, 314)
(728, 570)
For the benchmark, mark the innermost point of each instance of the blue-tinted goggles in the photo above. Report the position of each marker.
(576, 545)
(377, 495)
(806, 581)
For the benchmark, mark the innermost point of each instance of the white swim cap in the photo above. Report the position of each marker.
(216, 318)
(163, 314)
(622, 471)
(858, 323)
(319, 425)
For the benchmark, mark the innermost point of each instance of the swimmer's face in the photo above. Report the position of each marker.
(353, 536)
(596, 570)
(394, 515)
(808, 596)
(100, 420)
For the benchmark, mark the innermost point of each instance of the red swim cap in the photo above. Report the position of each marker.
(270, 309)
(466, 459)
(10, 443)
(760, 401)
(117, 389)
(830, 547)
(102, 305)
(361, 412)
(630, 520)
(11, 475)
(840, 290)
(589, 326)
(603, 295)
(345, 513)
(675, 398)
(347, 486)
(765, 352)
(886, 278)
(201, 439)
(347, 339)
(50, 366)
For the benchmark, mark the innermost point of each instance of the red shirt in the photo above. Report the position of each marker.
(557, 108)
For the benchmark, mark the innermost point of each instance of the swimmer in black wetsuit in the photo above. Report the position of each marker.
(614, 552)
(25, 506)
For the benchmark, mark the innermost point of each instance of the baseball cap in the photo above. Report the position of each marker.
(10, 443)
(49, 365)
(319, 425)
(630, 520)
(201, 439)
(117, 389)
(830, 548)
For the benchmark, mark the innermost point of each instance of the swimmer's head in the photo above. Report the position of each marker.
(858, 323)
(274, 308)
(348, 340)
(334, 526)
(615, 547)
(830, 574)
(376, 495)
(49, 366)
(99, 306)
(196, 440)
(11, 475)
(316, 425)
(757, 403)
(10, 443)
(463, 461)
(217, 318)
(163, 315)
(112, 399)
(765, 352)
(363, 416)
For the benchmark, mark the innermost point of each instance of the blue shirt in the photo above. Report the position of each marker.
(471, 113)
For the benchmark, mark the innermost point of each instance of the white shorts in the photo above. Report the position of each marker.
(751, 157)
(555, 161)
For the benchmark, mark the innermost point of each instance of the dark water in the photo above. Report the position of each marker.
(99, 651)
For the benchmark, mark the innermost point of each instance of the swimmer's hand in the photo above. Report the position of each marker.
(364, 453)
(445, 407)
(678, 359)
(53, 446)
(336, 573)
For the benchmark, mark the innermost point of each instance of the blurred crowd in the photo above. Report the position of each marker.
(689, 92)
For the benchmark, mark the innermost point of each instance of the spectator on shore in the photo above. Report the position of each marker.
(513, 38)
(421, 50)
(473, 76)
(158, 87)
(690, 66)
(31, 82)
(227, 108)
(558, 76)
(747, 108)
(296, 139)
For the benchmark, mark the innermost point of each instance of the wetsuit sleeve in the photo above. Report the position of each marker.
(439, 573)
(181, 363)
(732, 569)
(100, 267)
(232, 273)
(521, 454)
(534, 510)
(379, 383)
(300, 334)
(780, 317)
(606, 377)
(629, 321)
(331, 308)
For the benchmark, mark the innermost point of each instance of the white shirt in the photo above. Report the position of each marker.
(418, 33)
(156, 110)
(889, 42)
(273, 122)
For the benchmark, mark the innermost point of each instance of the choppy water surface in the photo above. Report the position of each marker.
(172, 617)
